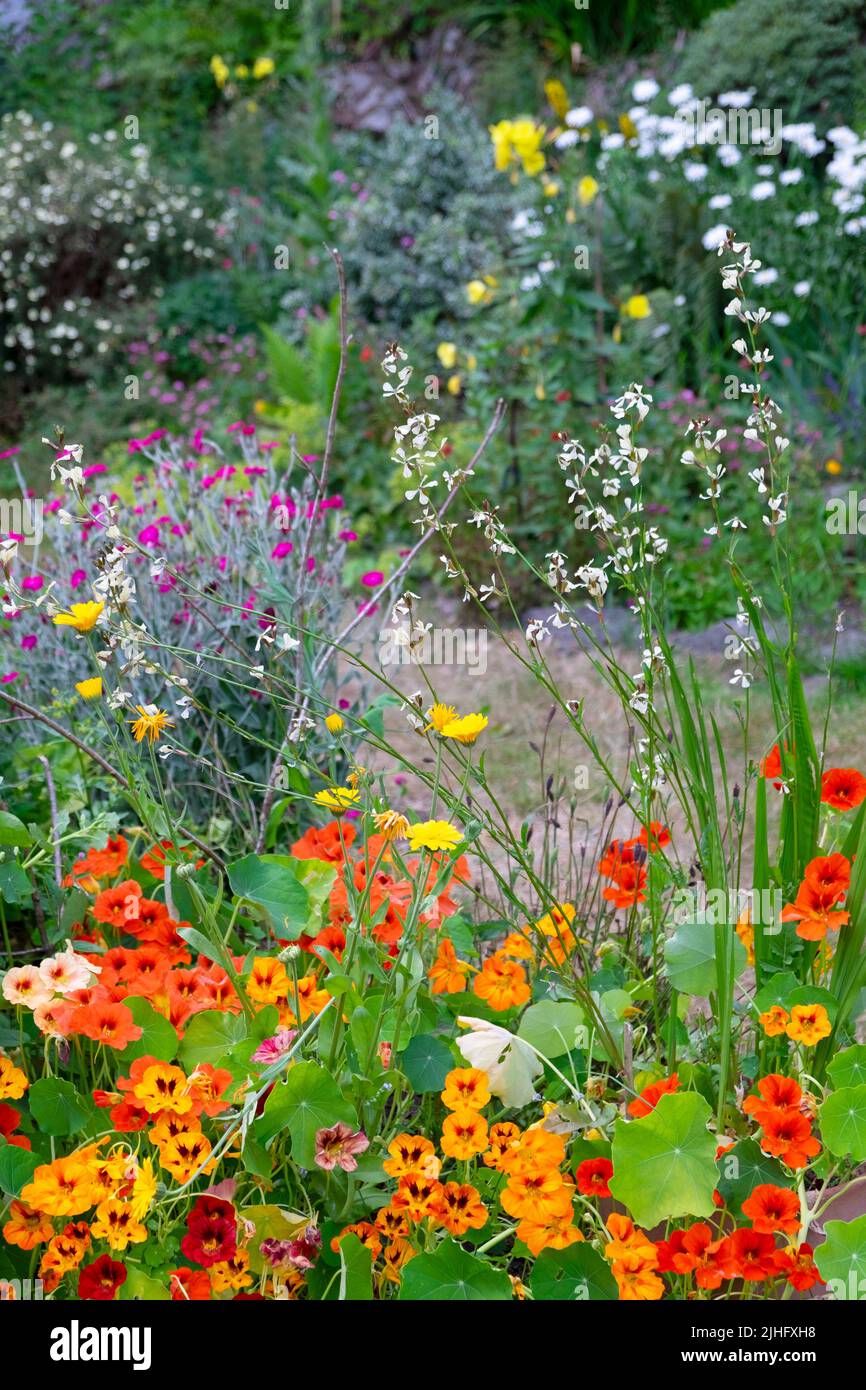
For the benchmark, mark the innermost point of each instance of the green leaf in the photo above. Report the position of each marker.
(289, 372)
(13, 831)
(158, 1037)
(14, 884)
(777, 990)
(209, 1036)
(17, 1167)
(56, 1106)
(144, 1287)
(690, 958)
(848, 1068)
(664, 1164)
(843, 1122)
(271, 881)
(841, 1258)
(576, 1273)
(426, 1062)
(742, 1168)
(356, 1265)
(450, 1274)
(308, 1100)
(552, 1027)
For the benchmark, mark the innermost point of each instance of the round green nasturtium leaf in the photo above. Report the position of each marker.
(273, 882)
(742, 1168)
(450, 1274)
(158, 1037)
(843, 1122)
(573, 1274)
(56, 1106)
(841, 1258)
(554, 1027)
(209, 1036)
(356, 1265)
(664, 1164)
(426, 1062)
(690, 958)
(17, 1167)
(848, 1068)
(308, 1100)
(141, 1286)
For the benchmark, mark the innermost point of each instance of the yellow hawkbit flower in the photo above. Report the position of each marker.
(263, 67)
(150, 724)
(333, 723)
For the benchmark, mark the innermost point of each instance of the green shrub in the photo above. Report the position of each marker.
(435, 216)
(806, 57)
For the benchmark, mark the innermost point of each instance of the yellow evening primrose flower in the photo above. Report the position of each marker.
(263, 67)
(90, 689)
(587, 190)
(476, 291)
(81, 616)
(447, 354)
(467, 729)
(557, 96)
(333, 723)
(637, 307)
(337, 799)
(219, 69)
(433, 835)
(150, 724)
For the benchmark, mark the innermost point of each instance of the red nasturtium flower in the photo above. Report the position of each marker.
(593, 1177)
(650, 1096)
(771, 1209)
(102, 1279)
(843, 788)
(189, 1285)
(211, 1232)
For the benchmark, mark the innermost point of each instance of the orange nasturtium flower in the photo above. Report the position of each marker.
(464, 1134)
(13, 1082)
(26, 1228)
(411, 1153)
(62, 1188)
(447, 973)
(466, 1087)
(502, 983)
(774, 1021)
(809, 1023)
(163, 1087)
(843, 788)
